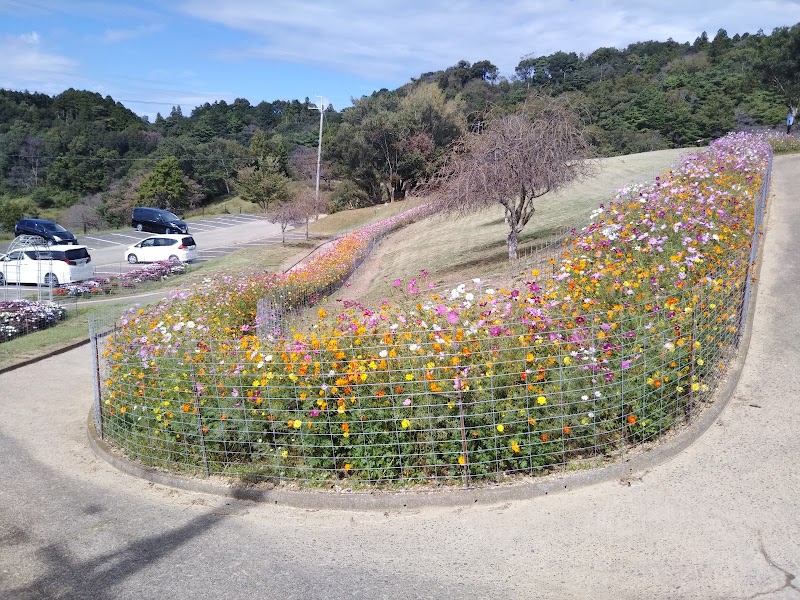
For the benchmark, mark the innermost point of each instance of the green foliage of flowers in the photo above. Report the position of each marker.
(620, 339)
(781, 142)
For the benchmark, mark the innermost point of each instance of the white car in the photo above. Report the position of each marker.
(174, 247)
(46, 266)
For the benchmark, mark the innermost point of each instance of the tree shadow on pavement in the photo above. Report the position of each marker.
(99, 578)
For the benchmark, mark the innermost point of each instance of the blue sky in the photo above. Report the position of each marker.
(152, 55)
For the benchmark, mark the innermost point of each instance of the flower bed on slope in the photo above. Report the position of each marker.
(614, 347)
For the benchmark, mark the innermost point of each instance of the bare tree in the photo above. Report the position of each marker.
(292, 212)
(303, 165)
(513, 160)
(85, 214)
(26, 173)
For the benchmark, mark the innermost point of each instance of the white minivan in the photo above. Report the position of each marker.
(46, 266)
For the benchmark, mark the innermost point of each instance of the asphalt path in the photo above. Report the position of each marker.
(721, 519)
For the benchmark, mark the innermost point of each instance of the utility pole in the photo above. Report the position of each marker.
(321, 106)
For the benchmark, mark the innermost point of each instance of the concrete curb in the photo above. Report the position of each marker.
(51, 354)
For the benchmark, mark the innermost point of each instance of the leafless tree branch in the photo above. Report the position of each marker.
(513, 160)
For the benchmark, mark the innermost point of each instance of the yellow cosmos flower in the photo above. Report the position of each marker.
(501, 428)
(541, 400)
(405, 423)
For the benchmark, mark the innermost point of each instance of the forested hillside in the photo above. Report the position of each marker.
(87, 160)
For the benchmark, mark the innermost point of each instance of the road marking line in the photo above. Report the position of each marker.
(133, 237)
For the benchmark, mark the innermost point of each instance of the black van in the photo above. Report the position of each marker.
(50, 231)
(157, 220)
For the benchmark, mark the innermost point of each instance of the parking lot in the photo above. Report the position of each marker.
(215, 236)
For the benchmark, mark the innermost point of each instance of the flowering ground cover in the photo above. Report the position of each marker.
(22, 317)
(19, 317)
(156, 271)
(620, 338)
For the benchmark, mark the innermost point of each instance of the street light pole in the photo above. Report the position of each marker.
(323, 104)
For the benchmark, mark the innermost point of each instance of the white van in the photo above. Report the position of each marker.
(46, 266)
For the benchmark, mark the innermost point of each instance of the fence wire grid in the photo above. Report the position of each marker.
(446, 407)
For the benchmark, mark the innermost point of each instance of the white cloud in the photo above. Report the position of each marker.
(26, 64)
(113, 36)
(384, 40)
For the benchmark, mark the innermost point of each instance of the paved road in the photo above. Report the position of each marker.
(719, 520)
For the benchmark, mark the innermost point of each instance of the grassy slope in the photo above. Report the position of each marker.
(457, 249)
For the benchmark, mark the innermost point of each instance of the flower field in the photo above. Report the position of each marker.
(620, 337)
(20, 317)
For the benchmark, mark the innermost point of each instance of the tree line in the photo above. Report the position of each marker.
(92, 159)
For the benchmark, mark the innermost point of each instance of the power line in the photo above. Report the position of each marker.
(138, 159)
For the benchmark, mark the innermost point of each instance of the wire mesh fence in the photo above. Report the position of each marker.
(432, 408)
(363, 406)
